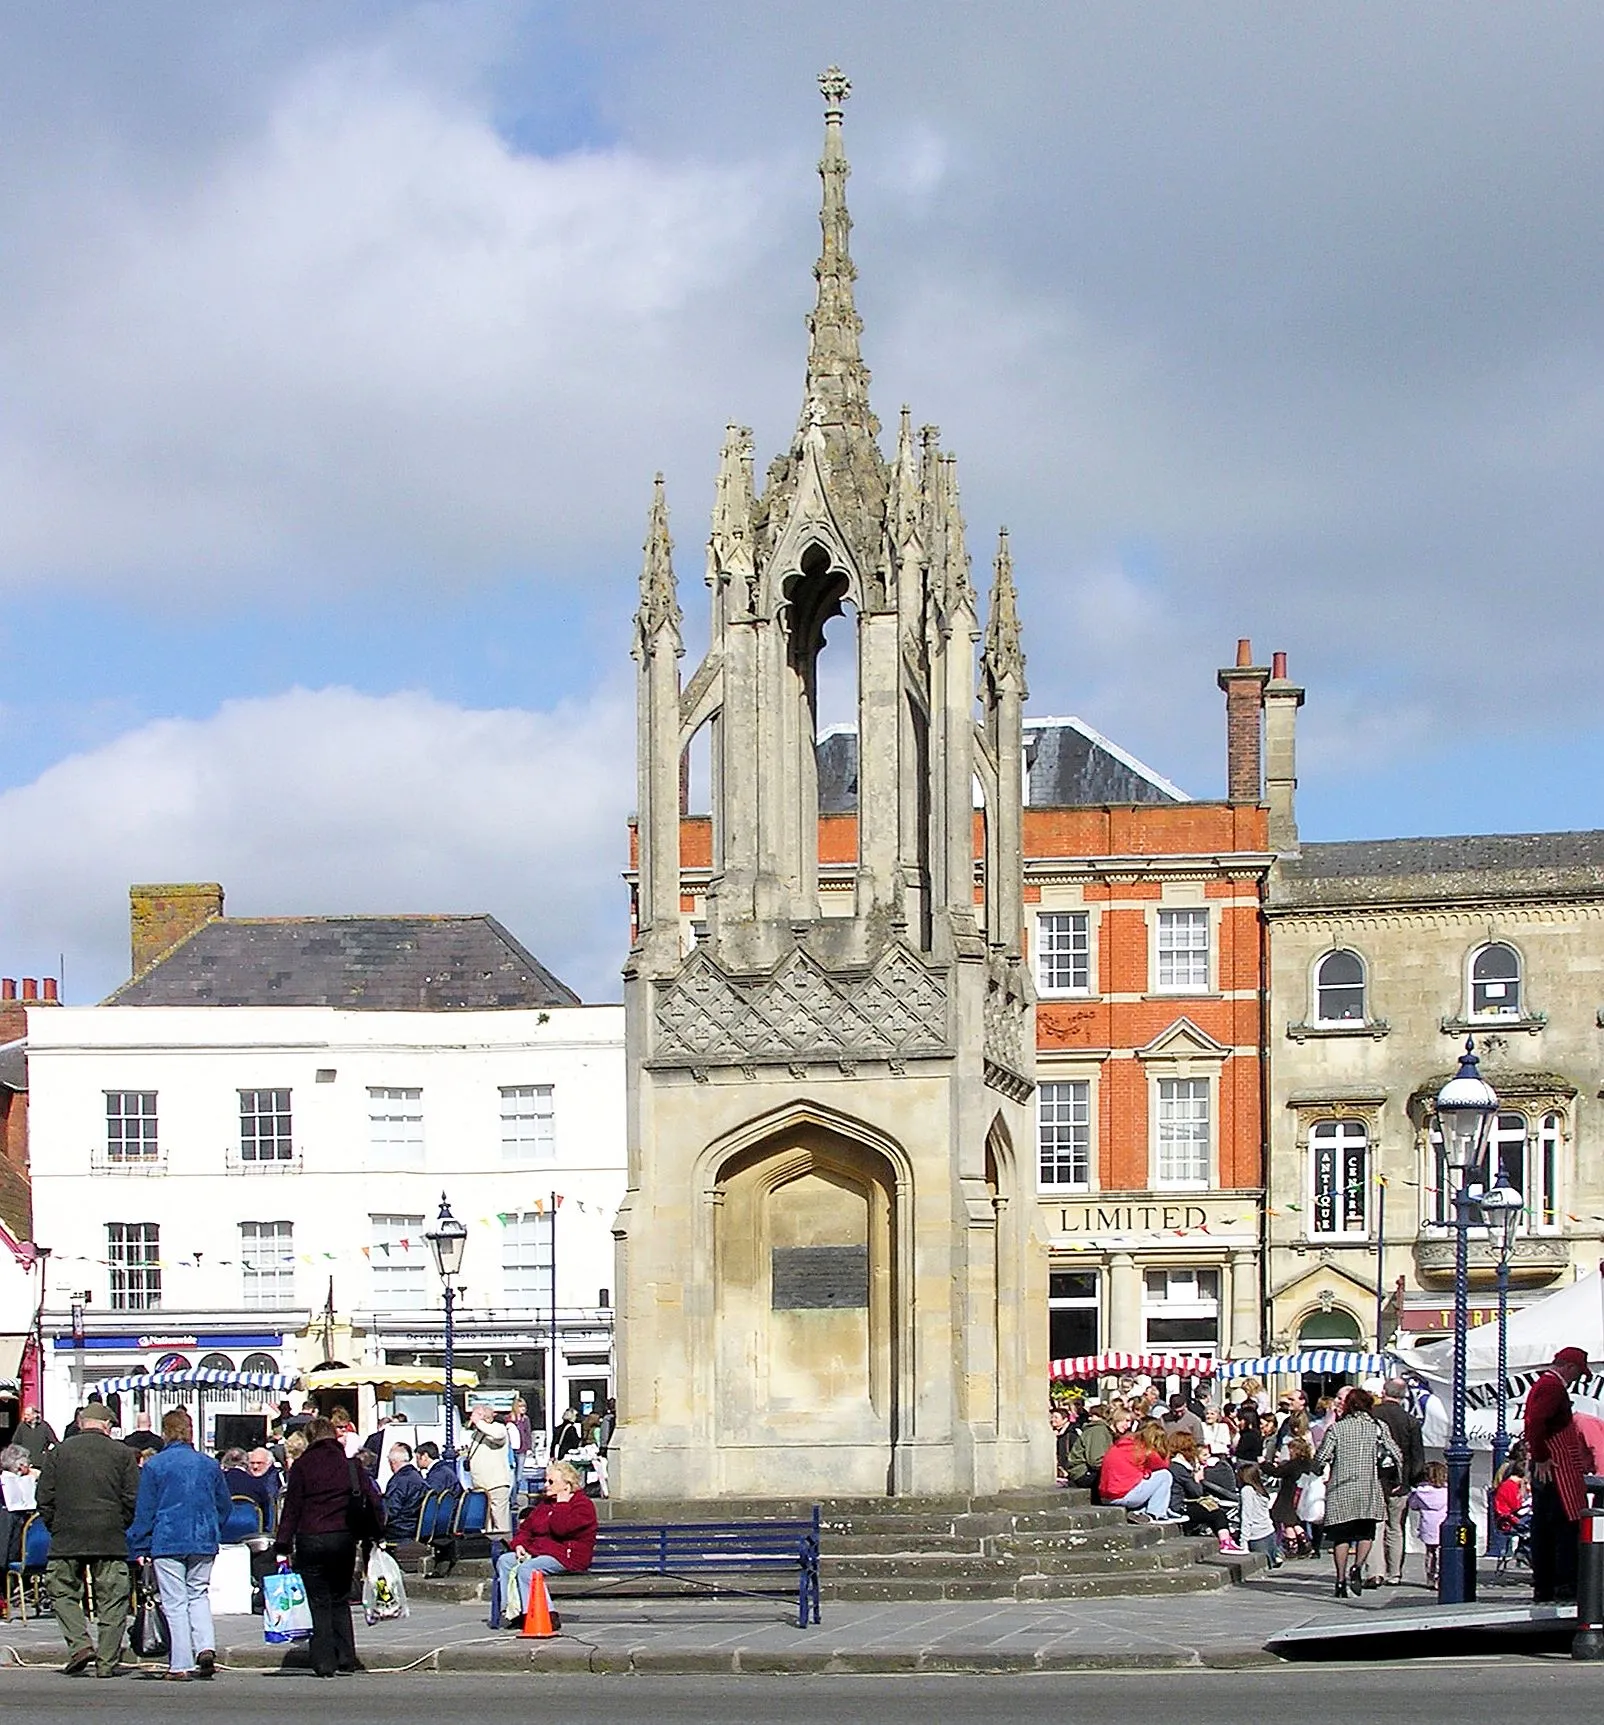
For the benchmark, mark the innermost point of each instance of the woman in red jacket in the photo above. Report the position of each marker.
(1135, 1476)
(558, 1536)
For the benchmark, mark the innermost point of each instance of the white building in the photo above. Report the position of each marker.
(235, 1184)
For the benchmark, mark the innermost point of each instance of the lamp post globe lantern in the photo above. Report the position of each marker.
(1502, 1209)
(1467, 1105)
(448, 1241)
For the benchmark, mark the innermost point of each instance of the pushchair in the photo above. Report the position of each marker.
(1516, 1532)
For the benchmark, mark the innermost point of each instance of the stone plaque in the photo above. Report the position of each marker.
(813, 1278)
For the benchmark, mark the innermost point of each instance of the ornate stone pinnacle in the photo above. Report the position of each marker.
(659, 592)
(1002, 656)
(835, 87)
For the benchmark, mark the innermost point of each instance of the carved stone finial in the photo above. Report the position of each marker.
(729, 547)
(1003, 659)
(659, 592)
(835, 87)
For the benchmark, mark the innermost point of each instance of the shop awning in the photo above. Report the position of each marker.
(11, 1352)
(1310, 1360)
(387, 1379)
(1155, 1365)
(196, 1378)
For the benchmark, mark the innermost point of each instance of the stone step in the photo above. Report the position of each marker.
(800, 1508)
(1091, 1584)
(931, 1566)
(976, 1525)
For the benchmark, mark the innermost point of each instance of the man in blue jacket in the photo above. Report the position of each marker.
(183, 1503)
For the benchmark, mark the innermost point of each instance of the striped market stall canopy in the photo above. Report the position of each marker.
(197, 1378)
(1330, 1360)
(1155, 1365)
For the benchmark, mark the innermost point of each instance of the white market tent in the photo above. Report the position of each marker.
(1572, 1317)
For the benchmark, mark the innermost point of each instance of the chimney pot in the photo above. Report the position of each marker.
(8, 988)
(1278, 665)
(30, 988)
(50, 986)
(1244, 650)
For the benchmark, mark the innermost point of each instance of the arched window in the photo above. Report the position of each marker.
(1339, 989)
(1495, 982)
(216, 1363)
(1339, 1166)
(259, 1363)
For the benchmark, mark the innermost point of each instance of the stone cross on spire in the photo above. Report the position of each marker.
(838, 380)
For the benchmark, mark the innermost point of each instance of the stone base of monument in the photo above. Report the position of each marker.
(1021, 1546)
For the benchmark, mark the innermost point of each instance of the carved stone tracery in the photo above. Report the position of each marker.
(800, 1012)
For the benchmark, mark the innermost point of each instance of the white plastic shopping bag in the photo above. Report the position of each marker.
(384, 1593)
(285, 1614)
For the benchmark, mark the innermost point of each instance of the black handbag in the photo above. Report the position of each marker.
(149, 1637)
(363, 1516)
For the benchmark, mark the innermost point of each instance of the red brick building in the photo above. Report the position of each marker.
(1143, 911)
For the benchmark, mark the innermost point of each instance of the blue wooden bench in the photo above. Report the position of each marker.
(700, 1552)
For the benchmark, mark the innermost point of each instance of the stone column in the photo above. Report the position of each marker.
(1124, 1304)
(1245, 1337)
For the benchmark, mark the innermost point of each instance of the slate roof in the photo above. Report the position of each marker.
(1441, 870)
(377, 963)
(14, 1065)
(1068, 765)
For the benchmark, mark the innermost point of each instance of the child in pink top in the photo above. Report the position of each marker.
(1429, 1501)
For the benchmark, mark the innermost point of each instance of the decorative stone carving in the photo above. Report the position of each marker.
(1006, 1057)
(799, 1013)
(1536, 1260)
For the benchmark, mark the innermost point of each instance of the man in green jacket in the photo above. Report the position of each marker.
(1091, 1445)
(88, 1488)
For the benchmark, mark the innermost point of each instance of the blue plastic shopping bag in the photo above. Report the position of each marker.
(285, 1614)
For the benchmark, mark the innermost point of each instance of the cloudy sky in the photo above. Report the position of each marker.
(338, 346)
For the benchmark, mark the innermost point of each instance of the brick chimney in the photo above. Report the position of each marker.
(1244, 685)
(14, 1003)
(1282, 698)
(160, 916)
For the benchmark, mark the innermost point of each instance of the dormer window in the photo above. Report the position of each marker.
(1495, 982)
(1339, 989)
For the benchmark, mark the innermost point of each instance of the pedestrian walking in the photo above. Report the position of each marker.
(1393, 1412)
(88, 1489)
(488, 1458)
(1355, 1501)
(1429, 1501)
(178, 1523)
(316, 1526)
(34, 1434)
(1560, 1464)
(556, 1537)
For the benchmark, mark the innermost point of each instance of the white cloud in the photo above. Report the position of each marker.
(371, 338)
(326, 801)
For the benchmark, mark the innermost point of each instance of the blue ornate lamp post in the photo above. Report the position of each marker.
(1466, 1108)
(1502, 1208)
(448, 1240)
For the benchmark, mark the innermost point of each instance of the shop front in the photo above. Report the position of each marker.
(1153, 1273)
(83, 1358)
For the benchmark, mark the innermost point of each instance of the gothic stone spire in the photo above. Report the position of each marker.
(1003, 659)
(659, 592)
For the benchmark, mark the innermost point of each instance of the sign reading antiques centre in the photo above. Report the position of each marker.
(1212, 1215)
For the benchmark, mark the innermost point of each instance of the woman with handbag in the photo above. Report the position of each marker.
(1352, 1449)
(330, 1506)
(178, 1523)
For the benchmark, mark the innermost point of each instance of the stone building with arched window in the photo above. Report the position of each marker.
(1384, 956)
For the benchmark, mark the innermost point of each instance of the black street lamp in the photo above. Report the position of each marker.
(1502, 1208)
(448, 1240)
(1466, 1108)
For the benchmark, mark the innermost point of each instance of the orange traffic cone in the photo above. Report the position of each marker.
(537, 1609)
